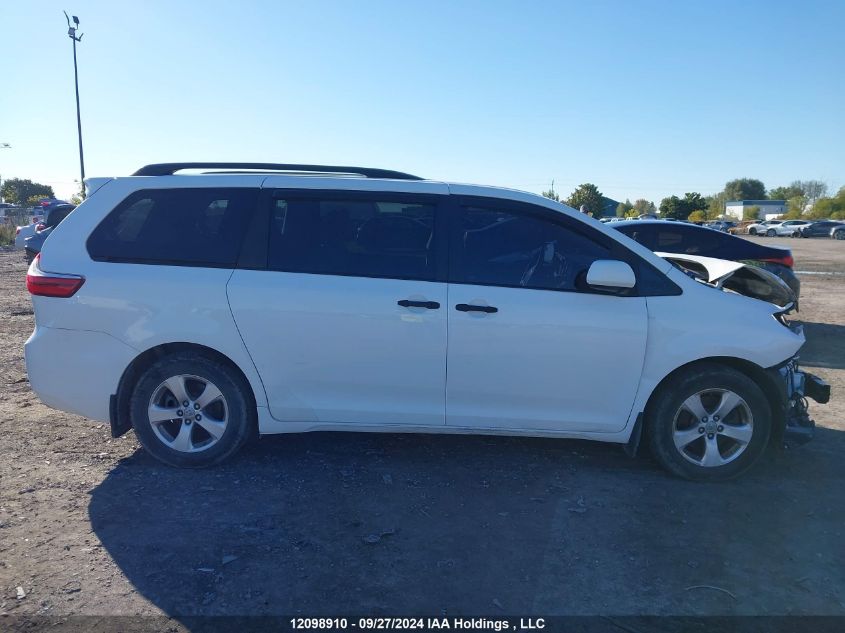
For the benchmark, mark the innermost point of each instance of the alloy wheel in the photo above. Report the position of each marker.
(188, 413)
(713, 427)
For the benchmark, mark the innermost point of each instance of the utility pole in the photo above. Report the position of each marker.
(71, 33)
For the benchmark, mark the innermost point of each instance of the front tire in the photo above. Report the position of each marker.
(839, 235)
(770, 233)
(709, 423)
(752, 231)
(191, 411)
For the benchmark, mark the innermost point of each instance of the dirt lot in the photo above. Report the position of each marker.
(396, 524)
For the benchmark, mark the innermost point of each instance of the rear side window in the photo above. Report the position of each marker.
(516, 249)
(188, 227)
(355, 237)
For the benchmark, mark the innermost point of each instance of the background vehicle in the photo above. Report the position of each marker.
(699, 240)
(791, 228)
(25, 231)
(766, 227)
(820, 228)
(209, 307)
(721, 225)
(55, 214)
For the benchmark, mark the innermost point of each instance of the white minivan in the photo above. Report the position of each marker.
(204, 303)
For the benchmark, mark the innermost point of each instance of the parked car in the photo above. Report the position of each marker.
(721, 225)
(791, 228)
(203, 309)
(25, 231)
(766, 227)
(55, 214)
(701, 240)
(821, 228)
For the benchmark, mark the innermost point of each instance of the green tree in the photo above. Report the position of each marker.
(697, 216)
(695, 202)
(745, 189)
(34, 201)
(623, 208)
(785, 193)
(673, 207)
(833, 208)
(642, 206)
(813, 190)
(19, 190)
(751, 213)
(715, 205)
(551, 194)
(795, 207)
(588, 196)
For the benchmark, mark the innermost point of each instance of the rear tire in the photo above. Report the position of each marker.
(770, 233)
(219, 418)
(727, 435)
(752, 231)
(839, 235)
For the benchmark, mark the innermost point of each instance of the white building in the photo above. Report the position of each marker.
(769, 209)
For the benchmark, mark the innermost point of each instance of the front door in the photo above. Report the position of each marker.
(530, 346)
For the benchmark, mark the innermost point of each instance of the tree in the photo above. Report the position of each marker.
(745, 189)
(681, 208)
(833, 208)
(34, 201)
(623, 208)
(588, 196)
(785, 193)
(715, 205)
(697, 216)
(673, 207)
(643, 206)
(751, 213)
(795, 207)
(813, 190)
(18, 190)
(551, 194)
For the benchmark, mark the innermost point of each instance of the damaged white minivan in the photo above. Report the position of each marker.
(204, 303)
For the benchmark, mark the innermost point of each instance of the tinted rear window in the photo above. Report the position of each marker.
(362, 237)
(199, 227)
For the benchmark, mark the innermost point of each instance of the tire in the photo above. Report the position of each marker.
(29, 256)
(675, 435)
(218, 421)
(770, 233)
(839, 235)
(752, 231)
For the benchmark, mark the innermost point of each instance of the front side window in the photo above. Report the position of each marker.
(199, 227)
(515, 249)
(356, 237)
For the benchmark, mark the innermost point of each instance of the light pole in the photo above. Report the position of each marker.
(71, 33)
(3, 146)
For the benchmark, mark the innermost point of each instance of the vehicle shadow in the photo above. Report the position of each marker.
(373, 524)
(825, 346)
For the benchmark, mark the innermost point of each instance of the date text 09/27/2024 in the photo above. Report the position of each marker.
(416, 623)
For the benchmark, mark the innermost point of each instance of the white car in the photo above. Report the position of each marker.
(791, 228)
(201, 309)
(23, 232)
(766, 227)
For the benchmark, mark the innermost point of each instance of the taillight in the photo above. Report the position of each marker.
(786, 260)
(44, 284)
(17, 231)
(41, 226)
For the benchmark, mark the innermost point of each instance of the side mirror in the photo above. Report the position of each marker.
(610, 273)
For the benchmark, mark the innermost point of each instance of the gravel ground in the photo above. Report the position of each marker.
(327, 523)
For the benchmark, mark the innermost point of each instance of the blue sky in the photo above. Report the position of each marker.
(642, 98)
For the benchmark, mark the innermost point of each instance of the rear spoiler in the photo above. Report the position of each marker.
(92, 184)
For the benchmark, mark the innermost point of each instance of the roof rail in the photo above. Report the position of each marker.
(168, 169)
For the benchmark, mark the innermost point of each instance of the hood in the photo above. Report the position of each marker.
(743, 279)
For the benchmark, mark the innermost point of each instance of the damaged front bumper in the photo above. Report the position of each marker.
(795, 386)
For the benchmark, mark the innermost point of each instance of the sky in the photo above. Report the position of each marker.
(645, 99)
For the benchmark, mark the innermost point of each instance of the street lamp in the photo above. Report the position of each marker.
(3, 146)
(71, 33)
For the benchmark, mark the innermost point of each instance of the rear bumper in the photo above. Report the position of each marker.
(74, 370)
(794, 387)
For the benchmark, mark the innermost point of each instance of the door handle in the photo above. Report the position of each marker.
(466, 307)
(428, 305)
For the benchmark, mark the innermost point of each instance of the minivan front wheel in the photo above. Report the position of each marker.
(190, 411)
(709, 424)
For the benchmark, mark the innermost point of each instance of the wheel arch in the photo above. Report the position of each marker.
(758, 374)
(119, 405)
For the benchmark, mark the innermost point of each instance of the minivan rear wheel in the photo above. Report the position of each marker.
(191, 411)
(709, 423)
